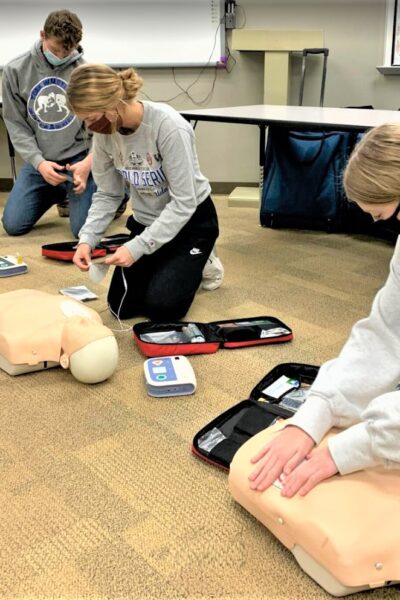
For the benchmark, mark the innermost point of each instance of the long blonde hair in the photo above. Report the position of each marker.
(98, 88)
(372, 175)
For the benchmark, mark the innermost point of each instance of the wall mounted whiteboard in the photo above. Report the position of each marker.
(139, 33)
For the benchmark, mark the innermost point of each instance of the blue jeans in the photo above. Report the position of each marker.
(31, 196)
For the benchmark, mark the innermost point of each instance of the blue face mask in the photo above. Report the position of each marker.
(54, 60)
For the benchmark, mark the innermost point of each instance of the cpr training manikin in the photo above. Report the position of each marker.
(40, 330)
(344, 533)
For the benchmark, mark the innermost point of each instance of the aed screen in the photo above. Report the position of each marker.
(5, 263)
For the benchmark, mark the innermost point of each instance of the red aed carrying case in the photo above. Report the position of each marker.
(277, 396)
(183, 337)
(65, 250)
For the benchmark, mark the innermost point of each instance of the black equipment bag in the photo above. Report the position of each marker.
(303, 178)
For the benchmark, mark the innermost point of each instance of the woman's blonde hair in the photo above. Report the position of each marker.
(372, 174)
(98, 88)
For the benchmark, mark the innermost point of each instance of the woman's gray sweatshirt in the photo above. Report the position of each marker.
(159, 162)
(357, 391)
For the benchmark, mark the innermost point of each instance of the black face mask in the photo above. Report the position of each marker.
(392, 220)
(389, 228)
(396, 212)
(105, 126)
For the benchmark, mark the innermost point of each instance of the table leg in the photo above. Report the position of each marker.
(250, 197)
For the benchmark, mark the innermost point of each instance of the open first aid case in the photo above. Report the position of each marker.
(183, 337)
(65, 251)
(277, 396)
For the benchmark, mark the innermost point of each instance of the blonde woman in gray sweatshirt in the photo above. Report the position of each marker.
(358, 390)
(174, 226)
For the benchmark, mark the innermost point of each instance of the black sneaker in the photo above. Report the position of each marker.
(63, 208)
(121, 209)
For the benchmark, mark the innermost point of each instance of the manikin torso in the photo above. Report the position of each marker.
(32, 324)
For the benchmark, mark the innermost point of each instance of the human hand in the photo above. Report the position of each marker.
(121, 258)
(47, 169)
(82, 257)
(80, 172)
(281, 455)
(319, 465)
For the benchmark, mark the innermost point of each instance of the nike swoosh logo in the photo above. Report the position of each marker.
(195, 251)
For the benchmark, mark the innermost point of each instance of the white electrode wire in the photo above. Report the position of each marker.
(122, 327)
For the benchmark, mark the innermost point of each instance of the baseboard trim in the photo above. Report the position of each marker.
(226, 187)
(217, 187)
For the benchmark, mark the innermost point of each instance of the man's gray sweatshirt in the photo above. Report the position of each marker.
(40, 124)
(357, 390)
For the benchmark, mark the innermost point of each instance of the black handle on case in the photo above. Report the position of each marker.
(324, 51)
(306, 51)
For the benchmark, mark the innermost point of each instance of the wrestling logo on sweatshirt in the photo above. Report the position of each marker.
(47, 104)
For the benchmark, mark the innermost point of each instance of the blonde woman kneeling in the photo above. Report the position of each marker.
(175, 225)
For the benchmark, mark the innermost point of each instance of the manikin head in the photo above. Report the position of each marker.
(89, 349)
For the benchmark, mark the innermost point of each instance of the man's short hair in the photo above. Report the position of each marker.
(65, 26)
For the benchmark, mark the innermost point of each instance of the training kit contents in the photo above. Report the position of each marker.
(189, 333)
(79, 292)
(97, 271)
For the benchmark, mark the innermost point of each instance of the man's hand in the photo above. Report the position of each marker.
(47, 169)
(82, 257)
(318, 466)
(121, 258)
(281, 455)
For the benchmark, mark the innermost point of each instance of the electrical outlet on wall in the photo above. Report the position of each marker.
(230, 14)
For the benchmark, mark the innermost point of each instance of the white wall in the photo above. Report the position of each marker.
(354, 33)
(182, 32)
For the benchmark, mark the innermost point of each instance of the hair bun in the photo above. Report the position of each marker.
(131, 82)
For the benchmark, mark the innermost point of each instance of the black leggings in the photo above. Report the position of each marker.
(162, 285)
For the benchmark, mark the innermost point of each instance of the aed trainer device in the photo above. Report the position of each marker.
(12, 265)
(169, 376)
